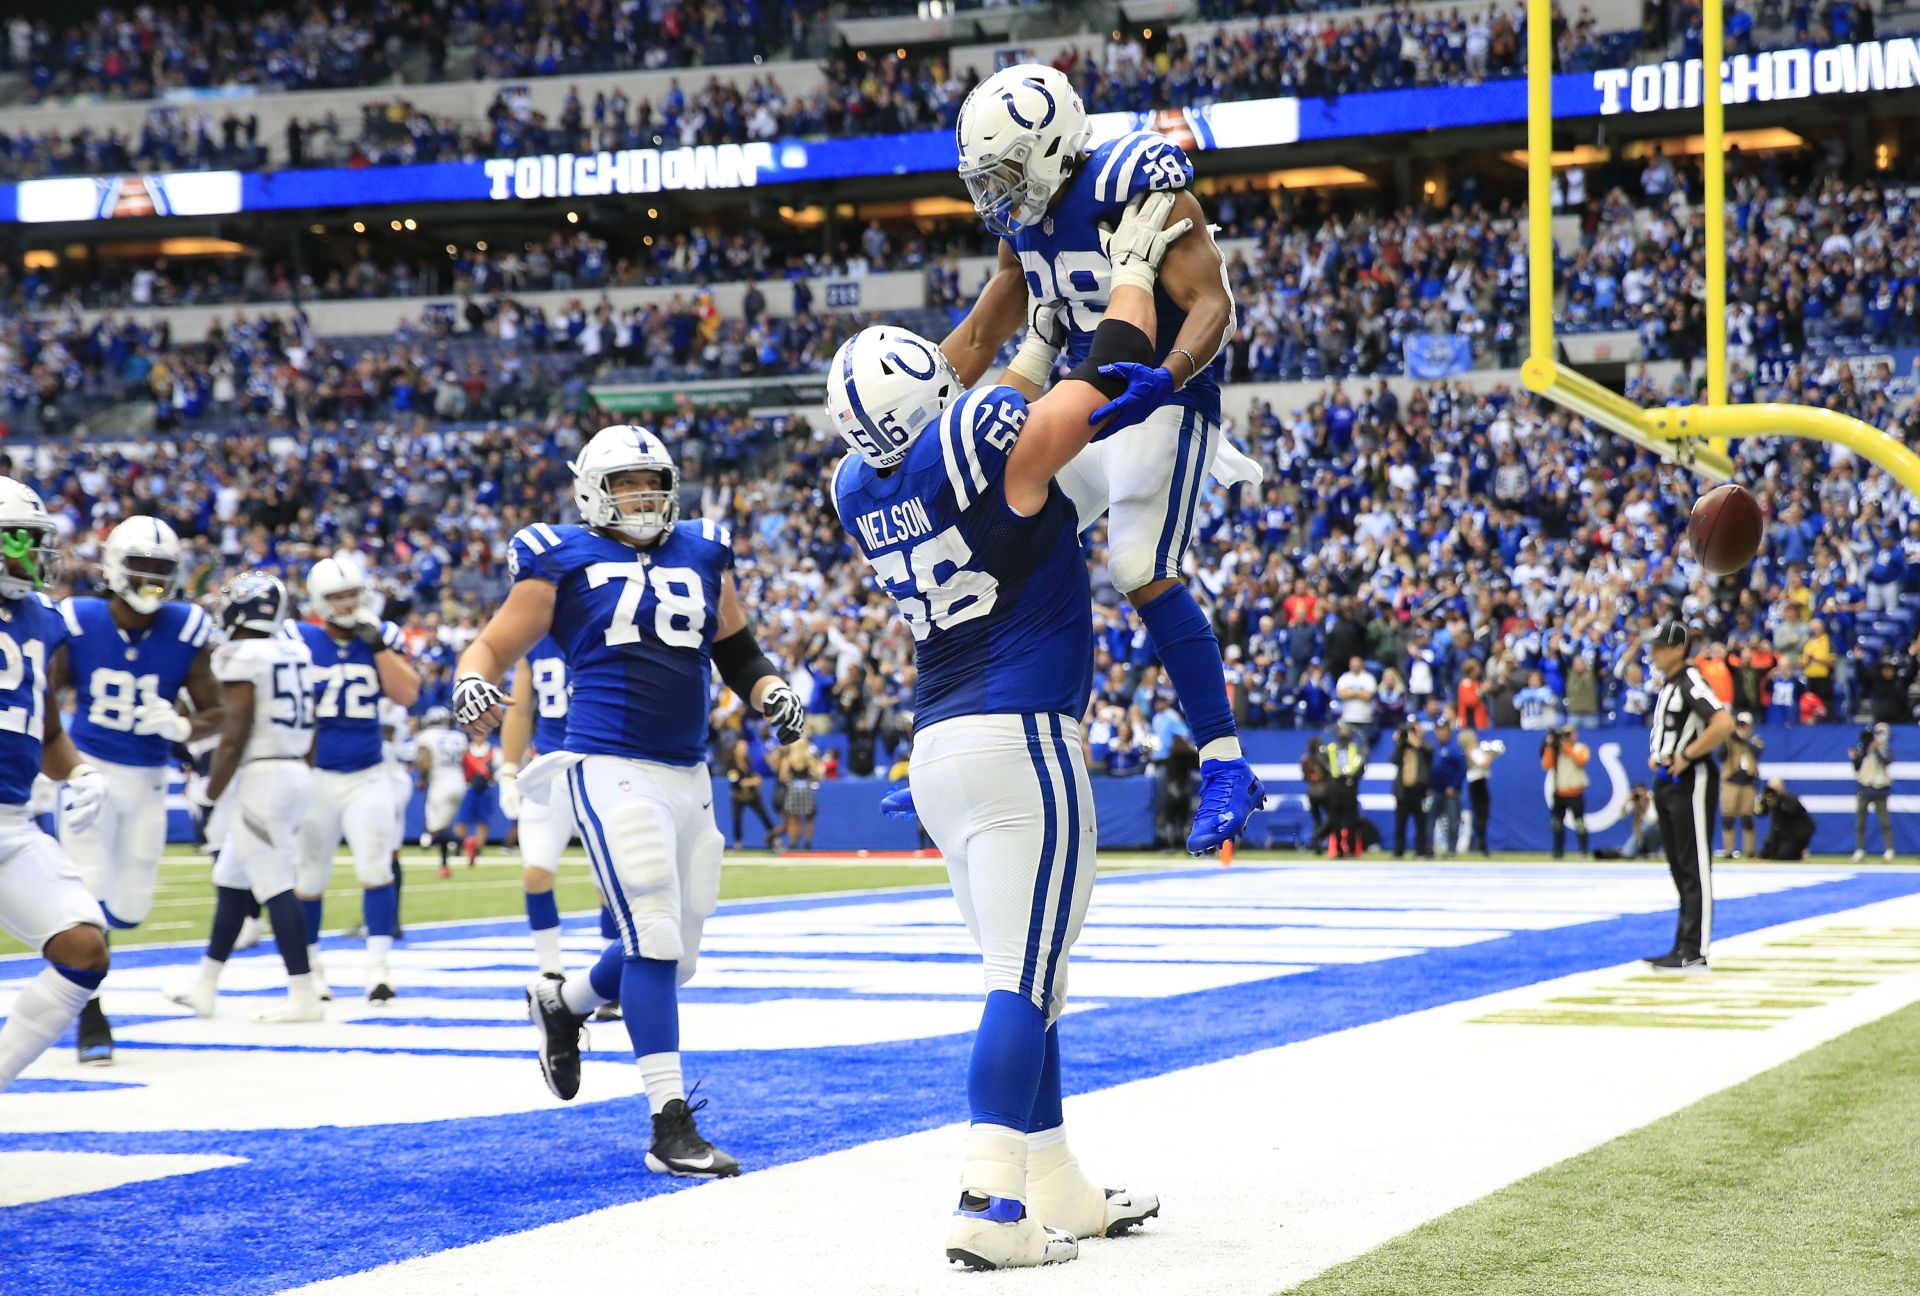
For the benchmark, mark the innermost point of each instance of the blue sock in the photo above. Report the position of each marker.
(609, 929)
(1190, 652)
(1009, 1054)
(604, 975)
(1046, 1103)
(290, 931)
(310, 910)
(379, 906)
(231, 907)
(81, 977)
(650, 1003)
(543, 911)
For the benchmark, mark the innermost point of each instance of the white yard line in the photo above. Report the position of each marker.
(1272, 1167)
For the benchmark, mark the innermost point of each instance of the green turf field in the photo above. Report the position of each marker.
(1802, 1180)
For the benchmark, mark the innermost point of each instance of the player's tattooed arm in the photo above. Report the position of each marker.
(516, 628)
(1194, 277)
(997, 315)
(207, 697)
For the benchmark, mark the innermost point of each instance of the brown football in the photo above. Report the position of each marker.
(1725, 529)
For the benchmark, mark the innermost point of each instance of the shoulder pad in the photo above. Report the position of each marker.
(711, 532)
(976, 435)
(535, 552)
(1136, 163)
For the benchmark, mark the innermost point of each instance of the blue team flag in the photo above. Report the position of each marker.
(1437, 355)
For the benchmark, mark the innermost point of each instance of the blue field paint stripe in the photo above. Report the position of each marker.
(1063, 909)
(307, 1188)
(1044, 867)
(1175, 495)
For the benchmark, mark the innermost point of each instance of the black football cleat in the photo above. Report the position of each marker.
(560, 1031)
(1678, 962)
(94, 1040)
(678, 1148)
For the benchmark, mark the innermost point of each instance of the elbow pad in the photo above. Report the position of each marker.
(1114, 342)
(741, 663)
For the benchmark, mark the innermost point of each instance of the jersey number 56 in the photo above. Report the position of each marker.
(928, 602)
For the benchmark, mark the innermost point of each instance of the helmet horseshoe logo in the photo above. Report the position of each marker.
(1014, 112)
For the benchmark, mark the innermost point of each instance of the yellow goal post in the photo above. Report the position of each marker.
(1694, 436)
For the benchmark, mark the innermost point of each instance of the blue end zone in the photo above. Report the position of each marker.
(341, 1200)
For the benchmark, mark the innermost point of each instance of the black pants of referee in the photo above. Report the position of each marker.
(1686, 807)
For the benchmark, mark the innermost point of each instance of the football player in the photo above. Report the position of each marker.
(357, 660)
(257, 791)
(1022, 135)
(397, 751)
(129, 655)
(643, 609)
(440, 753)
(537, 713)
(951, 498)
(44, 904)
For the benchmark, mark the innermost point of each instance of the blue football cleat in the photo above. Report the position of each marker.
(898, 804)
(1229, 796)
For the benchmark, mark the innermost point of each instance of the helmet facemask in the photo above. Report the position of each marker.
(639, 510)
(29, 560)
(342, 607)
(145, 580)
(1006, 199)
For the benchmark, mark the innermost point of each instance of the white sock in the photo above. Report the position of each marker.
(1059, 1192)
(378, 948)
(546, 945)
(660, 1073)
(210, 970)
(578, 994)
(45, 1008)
(300, 988)
(313, 956)
(1227, 749)
(995, 1162)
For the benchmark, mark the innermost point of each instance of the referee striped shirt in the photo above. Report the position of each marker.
(1681, 713)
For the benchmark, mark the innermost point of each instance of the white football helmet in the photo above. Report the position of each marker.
(29, 556)
(337, 592)
(642, 515)
(141, 562)
(1020, 135)
(437, 718)
(885, 386)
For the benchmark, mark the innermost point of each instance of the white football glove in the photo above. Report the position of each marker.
(86, 793)
(474, 699)
(786, 712)
(1142, 238)
(1040, 349)
(159, 716)
(507, 779)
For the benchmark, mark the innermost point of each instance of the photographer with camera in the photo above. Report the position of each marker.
(1872, 758)
(1565, 758)
(1412, 776)
(1789, 826)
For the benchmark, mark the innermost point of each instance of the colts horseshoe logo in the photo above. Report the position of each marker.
(1014, 112)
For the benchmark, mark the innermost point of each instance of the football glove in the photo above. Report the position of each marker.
(368, 631)
(898, 803)
(159, 716)
(86, 793)
(474, 699)
(508, 779)
(1142, 238)
(1148, 388)
(1040, 349)
(786, 712)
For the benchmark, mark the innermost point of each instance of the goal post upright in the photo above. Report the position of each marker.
(1694, 436)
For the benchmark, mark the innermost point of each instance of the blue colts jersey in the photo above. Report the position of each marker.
(346, 696)
(31, 632)
(115, 672)
(1064, 261)
(635, 629)
(999, 605)
(549, 695)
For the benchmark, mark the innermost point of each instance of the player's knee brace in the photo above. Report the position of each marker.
(1114, 342)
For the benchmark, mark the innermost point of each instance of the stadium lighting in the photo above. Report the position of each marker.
(573, 218)
(359, 227)
(410, 224)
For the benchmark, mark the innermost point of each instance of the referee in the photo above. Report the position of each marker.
(1689, 725)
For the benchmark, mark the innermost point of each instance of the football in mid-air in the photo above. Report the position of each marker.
(1725, 529)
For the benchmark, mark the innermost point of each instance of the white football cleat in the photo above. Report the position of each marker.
(249, 934)
(298, 1008)
(997, 1233)
(1069, 1203)
(199, 996)
(319, 973)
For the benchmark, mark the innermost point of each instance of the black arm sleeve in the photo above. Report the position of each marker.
(741, 663)
(1114, 342)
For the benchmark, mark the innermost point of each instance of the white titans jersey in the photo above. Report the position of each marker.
(281, 672)
(446, 747)
(400, 748)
